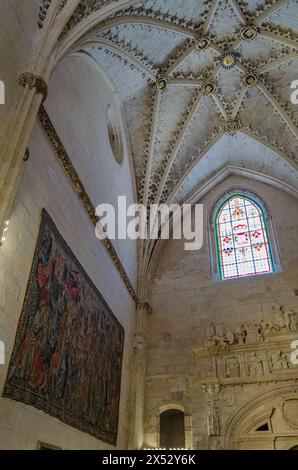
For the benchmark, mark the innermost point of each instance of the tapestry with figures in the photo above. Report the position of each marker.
(67, 356)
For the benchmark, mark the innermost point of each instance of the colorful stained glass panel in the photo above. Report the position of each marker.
(242, 239)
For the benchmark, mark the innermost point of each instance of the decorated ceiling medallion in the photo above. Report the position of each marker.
(250, 79)
(202, 43)
(231, 126)
(228, 60)
(209, 88)
(161, 83)
(248, 33)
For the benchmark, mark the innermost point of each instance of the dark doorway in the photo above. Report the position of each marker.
(172, 432)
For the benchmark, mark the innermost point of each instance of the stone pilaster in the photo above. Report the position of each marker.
(136, 436)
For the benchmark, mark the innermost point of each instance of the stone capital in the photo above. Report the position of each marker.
(34, 81)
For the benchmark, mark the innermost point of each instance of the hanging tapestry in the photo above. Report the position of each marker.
(67, 356)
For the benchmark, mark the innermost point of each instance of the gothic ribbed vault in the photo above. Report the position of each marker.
(205, 85)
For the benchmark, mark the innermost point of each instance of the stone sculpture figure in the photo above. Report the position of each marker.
(210, 335)
(232, 367)
(279, 360)
(292, 320)
(255, 365)
(213, 419)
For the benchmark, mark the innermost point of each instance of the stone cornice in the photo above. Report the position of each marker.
(81, 192)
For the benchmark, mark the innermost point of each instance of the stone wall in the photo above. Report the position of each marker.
(186, 301)
(77, 90)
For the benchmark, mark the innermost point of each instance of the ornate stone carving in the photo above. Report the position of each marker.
(250, 79)
(161, 83)
(43, 9)
(213, 423)
(255, 364)
(34, 81)
(248, 33)
(280, 320)
(232, 367)
(290, 412)
(278, 360)
(209, 88)
(202, 43)
(249, 353)
(213, 416)
(231, 126)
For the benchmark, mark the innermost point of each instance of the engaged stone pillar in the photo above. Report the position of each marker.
(136, 435)
(35, 92)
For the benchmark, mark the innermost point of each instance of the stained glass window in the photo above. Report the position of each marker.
(242, 240)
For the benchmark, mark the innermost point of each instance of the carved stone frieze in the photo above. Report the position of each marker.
(251, 352)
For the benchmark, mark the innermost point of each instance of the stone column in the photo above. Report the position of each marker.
(34, 92)
(136, 435)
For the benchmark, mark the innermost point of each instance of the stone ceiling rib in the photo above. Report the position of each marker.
(122, 53)
(210, 15)
(279, 38)
(179, 184)
(272, 9)
(143, 20)
(220, 106)
(264, 141)
(275, 63)
(180, 135)
(238, 103)
(238, 11)
(186, 82)
(284, 116)
(151, 147)
(188, 49)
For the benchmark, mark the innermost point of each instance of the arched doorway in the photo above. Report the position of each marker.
(269, 421)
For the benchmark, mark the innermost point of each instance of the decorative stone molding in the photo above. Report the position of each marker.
(78, 186)
(34, 81)
(213, 413)
(231, 126)
(290, 410)
(43, 9)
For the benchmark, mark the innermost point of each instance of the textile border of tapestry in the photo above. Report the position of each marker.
(67, 356)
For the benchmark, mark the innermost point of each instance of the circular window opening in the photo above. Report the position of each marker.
(115, 135)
